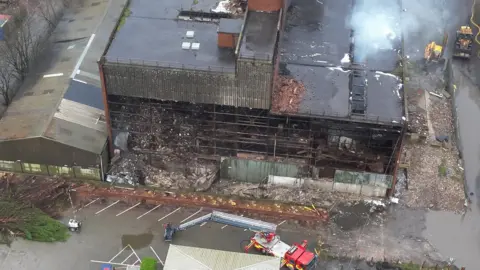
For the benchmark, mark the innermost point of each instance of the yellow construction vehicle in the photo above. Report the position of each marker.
(434, 52)
(463, 43)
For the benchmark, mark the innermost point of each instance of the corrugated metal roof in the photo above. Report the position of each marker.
(31, 110)
(193, 258)
(39, 109)
(78, 125)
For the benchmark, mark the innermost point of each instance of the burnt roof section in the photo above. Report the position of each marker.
(316, 42)
(316, 32)
(154, 31)
(260, 35)
(327, 93)
(230, 26)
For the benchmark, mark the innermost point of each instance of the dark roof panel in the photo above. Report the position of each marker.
(86, 94)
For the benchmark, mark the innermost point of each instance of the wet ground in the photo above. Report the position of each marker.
(455, 236)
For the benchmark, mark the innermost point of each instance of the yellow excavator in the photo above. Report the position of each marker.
(434, 52)
(463, 43)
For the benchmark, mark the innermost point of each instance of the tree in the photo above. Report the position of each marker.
(20, 48)
(51, 11)
(6, 84)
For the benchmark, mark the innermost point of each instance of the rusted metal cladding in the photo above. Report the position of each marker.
(249, 86)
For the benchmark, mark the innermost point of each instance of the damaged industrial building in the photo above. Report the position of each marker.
(259, 90)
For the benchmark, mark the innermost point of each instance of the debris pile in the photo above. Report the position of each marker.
(287, 94)
(416, 112)
(28, 205)
(134, 170)
(306, 196)
(434, 176)
(46, 194)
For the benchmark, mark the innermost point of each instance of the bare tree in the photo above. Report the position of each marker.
(21, 48)
(51, 11)
(6, 84)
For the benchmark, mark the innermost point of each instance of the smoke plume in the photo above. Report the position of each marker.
(378, 24)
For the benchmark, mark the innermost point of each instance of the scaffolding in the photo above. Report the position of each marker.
(213, 131)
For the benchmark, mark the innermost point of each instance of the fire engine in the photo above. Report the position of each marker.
(264, 240)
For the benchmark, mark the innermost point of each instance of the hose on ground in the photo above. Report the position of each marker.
(472, 21)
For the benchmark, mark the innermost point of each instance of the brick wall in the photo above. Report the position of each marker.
(265, 5)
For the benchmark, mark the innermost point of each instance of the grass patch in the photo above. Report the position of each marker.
(126, 13)
(442, 168)
(148, 264)
(409, 266)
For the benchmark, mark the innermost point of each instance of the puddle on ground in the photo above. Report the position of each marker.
(350, 216)
(137, 241)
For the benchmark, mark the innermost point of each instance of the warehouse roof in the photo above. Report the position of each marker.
(50, 104)
(154, 33)
(185, 257)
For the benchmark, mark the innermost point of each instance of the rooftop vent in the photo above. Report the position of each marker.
(190, 34)
(358, 88)
(195, 46)
(186, 45)
(203, 16)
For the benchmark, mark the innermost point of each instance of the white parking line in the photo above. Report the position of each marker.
(281, 223)
(192, 215)
(125, 265)
(171, 213)
(127, 258)
(52, 75)
(128, 209)
(80, 81)
(82, 56)
(148, 211)
(201, 225)
(107, 207)
(113, 258)
(227, 225)
(156, 255)
(86, 205)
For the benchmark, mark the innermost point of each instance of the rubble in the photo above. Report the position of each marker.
(287, 94)
(134, 170)
(47, 194)
(305, 196)
(435, 179)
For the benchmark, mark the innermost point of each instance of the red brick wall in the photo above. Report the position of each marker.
(265, 5)
(226, 40)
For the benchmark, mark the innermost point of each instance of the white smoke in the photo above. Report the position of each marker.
(379, 24)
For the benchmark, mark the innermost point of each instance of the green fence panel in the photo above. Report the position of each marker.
(6, 165)
(363, 178)
(35, 168)
(255, 171)
(60, 170)
(87, 173)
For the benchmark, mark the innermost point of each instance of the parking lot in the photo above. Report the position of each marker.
(122, 234)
